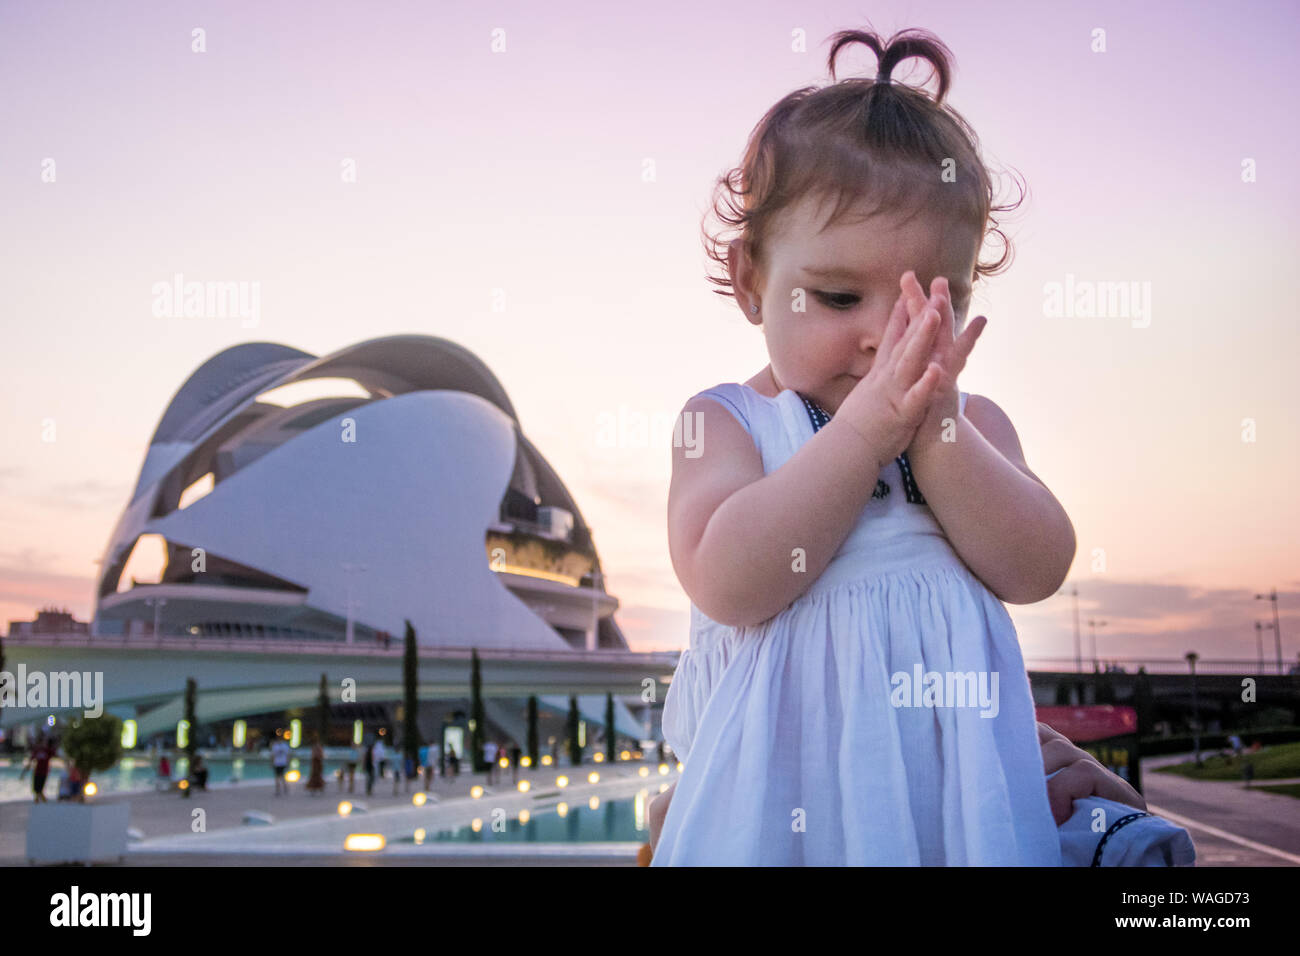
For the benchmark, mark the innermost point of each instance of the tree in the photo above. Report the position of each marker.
(410, 726)
(323, 711)
(94, 744)
(476, 718)
(575, 748)
(191, 721)
(2, 666)
(611, 738)
(532, 731)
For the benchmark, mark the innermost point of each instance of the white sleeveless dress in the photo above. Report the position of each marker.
(809, 739)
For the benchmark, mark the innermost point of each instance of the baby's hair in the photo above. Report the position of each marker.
(857, 137)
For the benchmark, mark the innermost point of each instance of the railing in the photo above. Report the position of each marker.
(277, 646)
(1159, 665)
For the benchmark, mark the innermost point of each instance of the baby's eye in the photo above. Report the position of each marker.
(841, 301)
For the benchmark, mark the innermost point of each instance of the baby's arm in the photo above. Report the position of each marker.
(744, 545)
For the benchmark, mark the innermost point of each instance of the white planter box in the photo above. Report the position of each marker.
(77, 832)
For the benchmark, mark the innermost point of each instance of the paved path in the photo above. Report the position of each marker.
(1231, 825)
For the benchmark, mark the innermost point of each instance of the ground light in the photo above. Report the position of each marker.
(345, 808)
(419, 799)
(364, 841)
(476, 792)
(523, 786)
(593, 777)
(293, 776)
(561, 782)
(91, 790)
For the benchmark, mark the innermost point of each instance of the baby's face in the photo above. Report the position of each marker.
(849, 274)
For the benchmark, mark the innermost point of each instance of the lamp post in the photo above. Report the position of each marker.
(1078, 660)
(1277, 627)
(1259, 642)
(348, 569)
(1093, 624)
(1196, 713)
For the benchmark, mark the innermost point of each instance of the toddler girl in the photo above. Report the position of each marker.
(847, 523)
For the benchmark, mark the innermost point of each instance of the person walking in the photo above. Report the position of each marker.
(39, 761)
(454, 759)
(490, 758)
(280, 764)
(368, 766)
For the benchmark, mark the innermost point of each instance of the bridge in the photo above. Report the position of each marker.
(144, 676)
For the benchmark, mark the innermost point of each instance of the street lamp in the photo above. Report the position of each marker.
(348, 569)
(1093, 624)
(1078, 660)
(1259, 642)
(1277, 627)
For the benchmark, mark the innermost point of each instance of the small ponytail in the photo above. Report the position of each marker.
(904, 45)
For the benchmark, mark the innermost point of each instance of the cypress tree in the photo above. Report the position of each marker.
(323, 712)
(410, 727)
(532, 731)
(575, 749)
(610, 738)
(476, 714)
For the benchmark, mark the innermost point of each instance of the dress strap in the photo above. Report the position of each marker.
(819, 417)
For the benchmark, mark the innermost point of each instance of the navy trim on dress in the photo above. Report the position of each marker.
(819, 417)
(1114, 828)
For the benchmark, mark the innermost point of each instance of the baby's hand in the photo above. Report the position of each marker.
(949, 353)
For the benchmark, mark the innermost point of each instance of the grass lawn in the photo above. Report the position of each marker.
(1278, 761)
(1287, 789)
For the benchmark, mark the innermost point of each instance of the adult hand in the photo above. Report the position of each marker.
(1081, 776)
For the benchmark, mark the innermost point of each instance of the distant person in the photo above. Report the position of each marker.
(163, 781)
(39, 761)
(316, 779)
(380, 755)
(71, 787)
(1235, 743)
(199, 773)
(490, 758)
(368, 766)
(454, 759)
(280, 764)
(516, 757)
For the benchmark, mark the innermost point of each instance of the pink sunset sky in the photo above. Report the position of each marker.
(1172, 443)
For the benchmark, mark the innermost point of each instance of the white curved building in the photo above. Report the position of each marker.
(405, 491)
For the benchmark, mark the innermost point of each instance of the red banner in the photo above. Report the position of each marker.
(1082, 724)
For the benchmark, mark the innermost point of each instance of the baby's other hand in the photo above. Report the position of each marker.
(950, 350)
(1081, 776)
